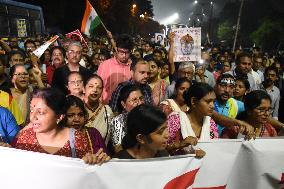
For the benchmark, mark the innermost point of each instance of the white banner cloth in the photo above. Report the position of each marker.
(231, 164)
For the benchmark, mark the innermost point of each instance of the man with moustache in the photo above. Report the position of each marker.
(224, 103)
(117, 69)
(243, 69)
(74, 54)
(139, 76)
(271, 76)
(57, 60)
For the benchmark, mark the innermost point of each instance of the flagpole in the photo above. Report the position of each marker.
(104, 26)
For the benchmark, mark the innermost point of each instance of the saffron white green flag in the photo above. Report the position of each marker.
(90, 20)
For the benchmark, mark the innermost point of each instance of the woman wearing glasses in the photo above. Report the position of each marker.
(99, 114)
(75, 84)
(131, 96)
(22, 88)
(258, 110)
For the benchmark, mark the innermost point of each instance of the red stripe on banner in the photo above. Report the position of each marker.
(182, 181)
(282, 179)
(216, 187)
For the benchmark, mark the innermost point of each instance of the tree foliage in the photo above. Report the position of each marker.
(269, 34)
(261, 22)
(225, 31)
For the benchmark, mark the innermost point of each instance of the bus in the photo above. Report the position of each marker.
(20, 19)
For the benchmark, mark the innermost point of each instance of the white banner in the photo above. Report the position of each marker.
(259, 165)
(229, 164)
(187, 44)
(29, 170)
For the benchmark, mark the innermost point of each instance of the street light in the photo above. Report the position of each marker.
(195, 2)
(134, 6)
(189, 19)
(170, 19)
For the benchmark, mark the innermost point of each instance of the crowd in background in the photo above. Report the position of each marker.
(125, 97)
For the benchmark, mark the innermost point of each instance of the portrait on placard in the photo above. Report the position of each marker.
(187, 44)
(159, 38)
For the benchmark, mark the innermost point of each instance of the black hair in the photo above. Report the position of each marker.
(140, 51)
(180, 81)
(158, 51)
(58, 48)
(53, 98)
(224, 76)
(13, 69)
(96, 77)
(241, 55)
(29, 41)
(12, 53)
(2, 61)
(197, 90)
(158, 63)
(143, 119)
(42, 56)
(72, 100)
(124, 94)
(124, 41)
(271, 68)
(254, 98)
(245, 81)
(152, 45)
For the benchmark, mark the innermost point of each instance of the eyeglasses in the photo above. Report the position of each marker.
(78, 82)
(137, 100)
(24, 74)
(263, 110)
(75, 52)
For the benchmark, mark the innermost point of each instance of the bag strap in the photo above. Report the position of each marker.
(72, 142)
(106, 121)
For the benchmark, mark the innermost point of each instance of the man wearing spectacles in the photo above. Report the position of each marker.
(74, 55)
(117, 69)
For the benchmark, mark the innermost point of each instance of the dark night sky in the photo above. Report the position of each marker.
(165, 8)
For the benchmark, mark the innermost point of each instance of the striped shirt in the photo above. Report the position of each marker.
(112, 73)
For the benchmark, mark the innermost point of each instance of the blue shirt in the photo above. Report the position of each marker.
(224, 110)
(8, 126)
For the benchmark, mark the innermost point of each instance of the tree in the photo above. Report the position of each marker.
(269, 34)
(225, 31)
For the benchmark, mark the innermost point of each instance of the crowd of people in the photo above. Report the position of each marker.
(128, 98)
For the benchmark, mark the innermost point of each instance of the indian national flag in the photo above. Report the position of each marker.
(90, 20)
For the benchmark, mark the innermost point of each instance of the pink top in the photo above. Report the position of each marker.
(174, 129)
(112, 74)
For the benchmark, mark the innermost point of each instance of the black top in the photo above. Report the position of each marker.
(123, 154)
(60, 75)
(6, 85)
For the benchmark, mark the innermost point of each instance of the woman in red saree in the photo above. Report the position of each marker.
(44, 133)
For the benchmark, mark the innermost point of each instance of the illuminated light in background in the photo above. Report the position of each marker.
(171, 19)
